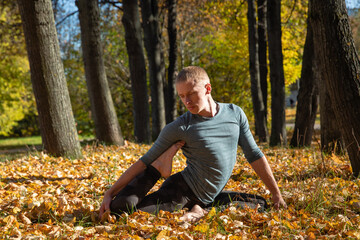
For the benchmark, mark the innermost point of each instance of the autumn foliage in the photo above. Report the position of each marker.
(42, 197)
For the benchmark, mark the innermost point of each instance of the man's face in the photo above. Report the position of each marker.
(194, 96)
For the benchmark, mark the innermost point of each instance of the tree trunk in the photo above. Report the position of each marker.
(262, 40)
(340, 68)
(278, 130)
(57, 124)
(331, 140)
(131, 22)
(258, 104)
(308, 96)
(149, 12)
(170, 92)
(107, 127)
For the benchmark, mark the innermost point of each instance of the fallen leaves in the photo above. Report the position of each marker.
(42, 197)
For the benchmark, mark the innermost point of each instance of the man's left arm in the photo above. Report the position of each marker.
(263, 170)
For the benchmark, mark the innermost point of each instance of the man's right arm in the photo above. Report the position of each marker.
(123, 180)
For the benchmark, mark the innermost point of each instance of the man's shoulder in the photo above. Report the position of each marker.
(231, 106)
(182, 120)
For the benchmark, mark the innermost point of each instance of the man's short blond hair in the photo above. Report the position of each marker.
(194, 73)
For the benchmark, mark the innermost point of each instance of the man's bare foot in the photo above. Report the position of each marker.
(194, 215)
(164, 163)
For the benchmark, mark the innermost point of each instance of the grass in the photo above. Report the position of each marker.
(10, 143)
(30, 142)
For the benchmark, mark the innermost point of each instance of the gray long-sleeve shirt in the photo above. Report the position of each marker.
(210, 148)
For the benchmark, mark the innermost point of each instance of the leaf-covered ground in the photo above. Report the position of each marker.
(42, 197)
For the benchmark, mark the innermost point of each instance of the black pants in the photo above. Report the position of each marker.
(174, 194)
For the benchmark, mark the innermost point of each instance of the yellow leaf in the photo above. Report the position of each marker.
(311, 236)
(162, 235)
(11, 221)
(276, 218)
(287, 224)
(273, 222)
(203, 227)
(136, 237)
(16, 210)
(353, 233)
(211, 213)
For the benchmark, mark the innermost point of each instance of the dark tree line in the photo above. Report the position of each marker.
(267, 22)
(329, 78)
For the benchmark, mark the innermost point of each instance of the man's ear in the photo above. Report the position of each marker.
(208, 88)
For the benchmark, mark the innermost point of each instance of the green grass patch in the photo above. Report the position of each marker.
(28, 142)
(10, 143)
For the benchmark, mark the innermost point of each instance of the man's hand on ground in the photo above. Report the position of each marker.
(105, 205)
(278, 202)
(194, 215)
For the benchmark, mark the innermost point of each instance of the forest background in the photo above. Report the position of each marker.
(213, 37)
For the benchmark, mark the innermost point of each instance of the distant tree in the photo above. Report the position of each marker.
(57, 124)
(308, 96)
(170, 92)
(256, 93)
(131, 22)
(340, 68)
(262, 40)
(107, 127)
(278, 130)
(149, 12)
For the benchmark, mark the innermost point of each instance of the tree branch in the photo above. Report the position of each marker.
(67, 16)
(292, 10)
(113, 3)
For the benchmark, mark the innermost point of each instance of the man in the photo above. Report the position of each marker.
(208, 135)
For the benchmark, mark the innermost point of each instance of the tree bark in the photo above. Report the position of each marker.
(107, 126)
(170, 92)
(57, 124)
(308, 96)
(331, 140)
(340, 68)
(262, 40)
(278, 130)
(134, 46)
(258, 104)
(149, 12)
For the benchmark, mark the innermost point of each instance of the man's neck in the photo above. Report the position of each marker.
(212, 110)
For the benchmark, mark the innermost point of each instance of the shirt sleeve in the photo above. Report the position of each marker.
(169, 135)
(246, 140)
